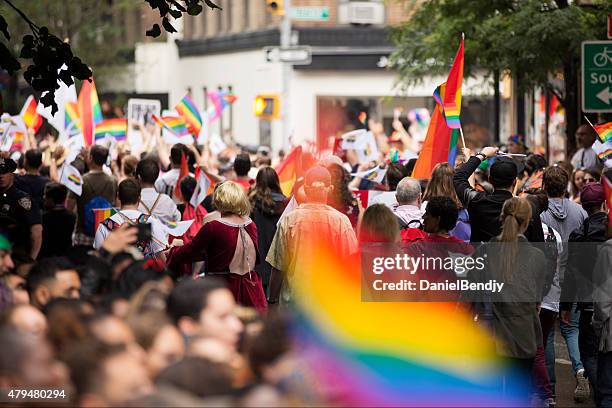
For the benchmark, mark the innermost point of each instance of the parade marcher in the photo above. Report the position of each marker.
(341, 198)
(20, 216)
(585, 156)
(484, 208)
(151, 202)
(408, 209)
(166, 182)
(58, 223)
(379, 224)
(565, 216)
(441, 185)
(228, 245)
(576, 184)
(268, 204)
(32, 182)
(293, 243)
(128, 194)
(578, 283)
(53, 278)
(395, 173)
(242, 165)
(99, 191)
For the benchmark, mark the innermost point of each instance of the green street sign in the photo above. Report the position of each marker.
(597, 76)
(310, 13)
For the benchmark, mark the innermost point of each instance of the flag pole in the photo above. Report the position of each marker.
(587, 119)
(462, 138)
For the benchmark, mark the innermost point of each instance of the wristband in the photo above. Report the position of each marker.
(484, 157)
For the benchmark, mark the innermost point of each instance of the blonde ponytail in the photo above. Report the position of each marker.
(515, 217)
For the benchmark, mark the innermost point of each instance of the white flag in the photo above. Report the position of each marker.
(354, 140)
(376, 174)
(62, 95)
(201, 190)
(177, 229)
(71, 178)
(291, 205)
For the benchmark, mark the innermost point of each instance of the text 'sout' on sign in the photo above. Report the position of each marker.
(597, 76)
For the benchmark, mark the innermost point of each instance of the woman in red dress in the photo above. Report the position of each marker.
(228, 246)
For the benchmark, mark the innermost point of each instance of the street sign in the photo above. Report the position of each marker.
(597, 76)
(298, 55)
(310, 13)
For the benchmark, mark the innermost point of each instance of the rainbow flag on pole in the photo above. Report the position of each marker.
(220, 101)
(30, 117)
(604, 131)
(289, 170)
(443, 133)
(176, 125)
(117, 128)
(190, 113)
(89, 110)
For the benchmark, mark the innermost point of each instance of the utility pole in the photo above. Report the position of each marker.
(285, 42)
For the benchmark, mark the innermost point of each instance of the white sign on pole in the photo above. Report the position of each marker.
(299, 55)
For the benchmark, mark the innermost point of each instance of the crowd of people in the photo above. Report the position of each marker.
(122, 312)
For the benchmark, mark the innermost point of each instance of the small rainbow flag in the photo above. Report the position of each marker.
(17, 141)
(220, 101)
(605, 155)
(75, 179)
(89, 110)
(189, 111)
(604, 131)
(117, 128)
(31, 118)
(101, 214)
(174, 124)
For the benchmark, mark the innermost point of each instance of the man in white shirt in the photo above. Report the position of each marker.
(585, 157)
(166, 182)
(128, 194)
(151, 202)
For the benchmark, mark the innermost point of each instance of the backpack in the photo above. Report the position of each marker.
(89, 216)
(551, 253)
(410, 233)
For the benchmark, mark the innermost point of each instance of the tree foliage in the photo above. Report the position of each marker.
(532, 39)
(87, 27)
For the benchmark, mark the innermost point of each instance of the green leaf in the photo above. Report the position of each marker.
(212, 5)
(176, 13)
(154, 32)
(4, 28)
(194, 9)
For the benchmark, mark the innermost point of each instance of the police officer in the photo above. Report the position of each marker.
(20, 217)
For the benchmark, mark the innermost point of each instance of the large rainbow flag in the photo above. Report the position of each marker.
(443, 133)
(189, 112)
(604, 131)
(89, 110)
(72, 118)
(363, 353)
(117, 128)
(289, 170)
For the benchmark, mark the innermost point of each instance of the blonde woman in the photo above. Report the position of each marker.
(228, 245)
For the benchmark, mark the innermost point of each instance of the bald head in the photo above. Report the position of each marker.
(585, 136)
(408, 191)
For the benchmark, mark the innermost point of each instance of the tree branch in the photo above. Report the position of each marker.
(33, 26)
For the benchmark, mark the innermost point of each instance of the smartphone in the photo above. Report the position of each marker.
(144, 232)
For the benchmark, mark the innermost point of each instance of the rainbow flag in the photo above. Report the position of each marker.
(30, 117)
(72, 118)
(117, 128)
(18, 141)
(189, 112)
(220, 101)
(605, 155)
(604, 131)
(443, 133)
(184, 171)
(289, 170)
(365, 353)
(101, 214)
(75, 179)
(174, 124)
(89, 110)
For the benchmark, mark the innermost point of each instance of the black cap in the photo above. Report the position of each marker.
(7, 165)
(504, 170)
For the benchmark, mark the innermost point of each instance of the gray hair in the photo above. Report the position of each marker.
(408, 191)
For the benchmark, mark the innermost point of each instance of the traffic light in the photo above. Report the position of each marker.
(266, 107)
(275, 7)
